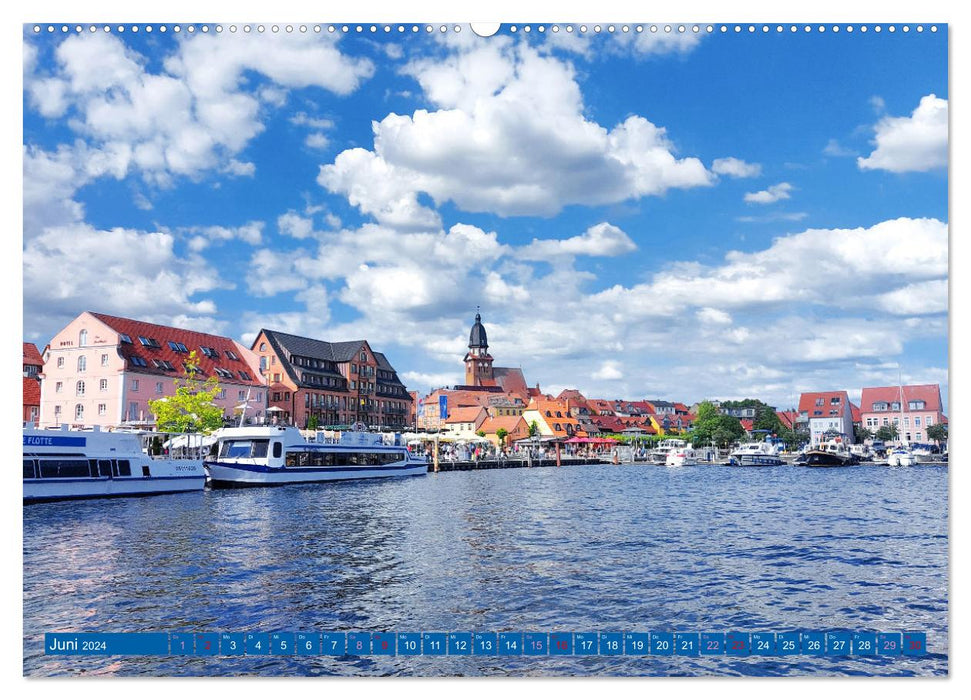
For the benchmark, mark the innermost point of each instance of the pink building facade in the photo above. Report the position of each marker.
(103, 370)
(913, 409)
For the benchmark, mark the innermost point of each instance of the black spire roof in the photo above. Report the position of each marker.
(477, 338)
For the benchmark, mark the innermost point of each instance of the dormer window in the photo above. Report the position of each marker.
(124, 337)
(178, 347)
(209, 352)
(231, 355)
(916, 405)
(148, 342)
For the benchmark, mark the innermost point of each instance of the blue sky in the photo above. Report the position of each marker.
(638, 215)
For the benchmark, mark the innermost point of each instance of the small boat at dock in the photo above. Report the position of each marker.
(901, 457)
(834, 453)
(276, 455)
(64, 464)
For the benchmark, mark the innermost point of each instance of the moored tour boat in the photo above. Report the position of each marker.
(276, 455)
(659, 455)
(62, 464)
(755, 454)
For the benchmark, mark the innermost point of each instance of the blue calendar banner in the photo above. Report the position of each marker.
(662, 643)
(282, 643)
(637, 643)
(915, 644)
(687, 643)
(889, 643)
(409, 643)
(834, 643)
(257, 644)
(434, 643)
(763, 644)
(333, 643)
(510, 643)
(788, 644)
(586, 643)
(611, 643)
(485, 644)
(712, 643)
(561, 644)
(232, 644)
(459, 643)
(865, 643)
(838, 643)
(308, 643)
(382, 644)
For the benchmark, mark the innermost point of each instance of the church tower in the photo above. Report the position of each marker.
(478, 361)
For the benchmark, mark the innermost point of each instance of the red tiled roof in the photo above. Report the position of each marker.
(747, 423)
(510, 423)
(511, 380)
(788, 418)
(855, 414)
(464, 414)
(192, 340)
(930, 394)
(31, 392)
(807, 402)
(32, 355)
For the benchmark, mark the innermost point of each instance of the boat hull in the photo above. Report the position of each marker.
(828, 459)
(223, 475)
(756, 461)
(42, 490)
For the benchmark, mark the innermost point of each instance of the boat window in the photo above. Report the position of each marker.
(123, 468)
(29, 469)
(277, 449)
(64, 468)
(104, 467)
(146, 471)
(244, 448)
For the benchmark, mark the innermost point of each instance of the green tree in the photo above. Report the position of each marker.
(937, 432)
(861, 434)
(766, 419)
(480, 433)
(501, 436)
(712, 426)
(192, 408)
(533, 429)
(313, 423)
(887, 432)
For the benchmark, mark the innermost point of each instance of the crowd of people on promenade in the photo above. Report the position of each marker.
(479, 451)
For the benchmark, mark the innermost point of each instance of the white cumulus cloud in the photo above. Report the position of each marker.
(770, 195)
(911, 144)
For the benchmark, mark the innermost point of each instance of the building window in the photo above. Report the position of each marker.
(57, 411)
(82, 364)
(79, 412)
(916, 421)
(158, 387)
(58, 387)
(83, 337)
(262, 347)
(79, 389)
(133, 410)
(919, 438)
(104, 360)
(916, 405)
(103, 385)
(276, 377)
(60, 363)
(134, 385)
(102, 409)
(276, 395)
(241, 395)
(123, 337)
(928, 422)
(819, 402)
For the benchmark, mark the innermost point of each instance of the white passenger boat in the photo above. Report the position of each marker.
(275, 455)
(901, 457)
(62, 464)
(756, 454)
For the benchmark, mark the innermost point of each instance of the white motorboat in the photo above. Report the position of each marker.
(900, 457)
(756, 454)
(659, 455)
(275, 455)
(689, 457)
(61, 464)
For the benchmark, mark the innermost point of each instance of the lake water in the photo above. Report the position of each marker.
(578, 548)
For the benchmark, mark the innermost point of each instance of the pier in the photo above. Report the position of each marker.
(472, 465)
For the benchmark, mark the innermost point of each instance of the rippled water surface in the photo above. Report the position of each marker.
(580, 548)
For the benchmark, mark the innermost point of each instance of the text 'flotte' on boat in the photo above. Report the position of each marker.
(276, 455)
(61, 464)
